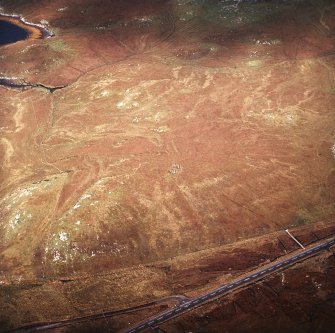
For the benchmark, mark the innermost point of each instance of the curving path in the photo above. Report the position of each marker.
(224, 289)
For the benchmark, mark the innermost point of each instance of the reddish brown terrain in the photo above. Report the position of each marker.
(160, 148)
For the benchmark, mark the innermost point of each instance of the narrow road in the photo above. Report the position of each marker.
(224, 289)
(41, 327)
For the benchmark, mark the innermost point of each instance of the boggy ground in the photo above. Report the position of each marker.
(182, 126)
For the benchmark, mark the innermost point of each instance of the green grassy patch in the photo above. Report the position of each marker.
(60, 46)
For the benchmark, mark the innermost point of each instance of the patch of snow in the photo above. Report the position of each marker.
(85, 196)
(15, 220)
(76, 206)
(175, 168)
(25, 193)
(128, 101)
(161, 129)
(282, 278)
(63, 236)
(105, 93)
(56, 256)
(317, 285)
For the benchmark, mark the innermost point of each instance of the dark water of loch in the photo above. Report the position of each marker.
(11, 33)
